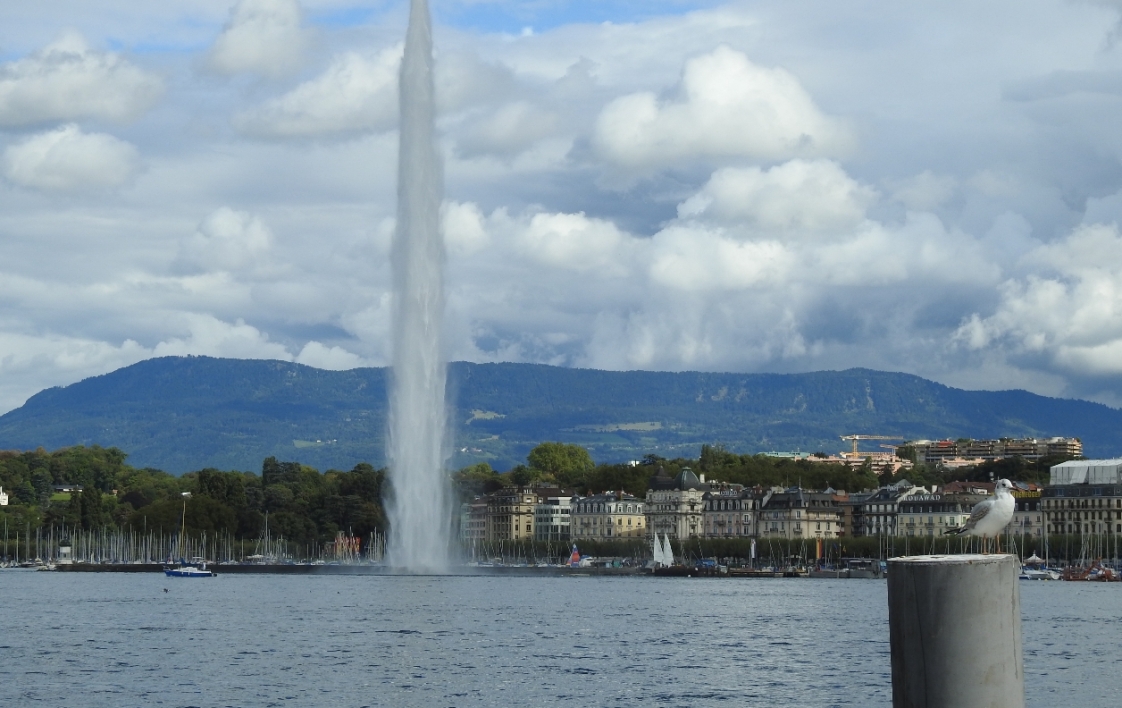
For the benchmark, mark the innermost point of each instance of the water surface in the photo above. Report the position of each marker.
(259, 640)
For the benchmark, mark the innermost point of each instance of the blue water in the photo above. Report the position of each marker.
(120, 640)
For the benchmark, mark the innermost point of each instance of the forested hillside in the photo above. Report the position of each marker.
(186, 413)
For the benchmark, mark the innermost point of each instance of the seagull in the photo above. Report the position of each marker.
(990, 516)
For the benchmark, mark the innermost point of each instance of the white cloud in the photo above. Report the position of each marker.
(796, 196)
(30, 363)
(728, 108)
(333, 358)
(227, 240)
(356, 94)
(67, 159)
(209, 336)
(575, 242)
(464, 230)
(1068, 310)
(67, 80)
(737, 244)
(694, 259)
(262, 36)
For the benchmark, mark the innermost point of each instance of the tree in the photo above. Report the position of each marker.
(565, 463)
(477, 479)
(522, 475)
(89, 508)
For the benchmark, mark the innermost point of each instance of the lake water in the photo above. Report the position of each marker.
(103, 639)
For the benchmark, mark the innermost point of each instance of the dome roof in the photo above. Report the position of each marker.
(686, 479)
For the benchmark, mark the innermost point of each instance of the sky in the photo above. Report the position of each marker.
(662, 185)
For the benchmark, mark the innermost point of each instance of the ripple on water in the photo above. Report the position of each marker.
(495, 642)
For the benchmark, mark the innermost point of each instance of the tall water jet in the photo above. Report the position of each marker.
(417, 445)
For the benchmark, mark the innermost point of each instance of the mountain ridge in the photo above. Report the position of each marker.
(186, 413)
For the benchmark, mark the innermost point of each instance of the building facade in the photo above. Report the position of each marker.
(876, 515)
(473, 520)
(675, 504)
(510, 514)
(1028, 514)
(924, 514)
(941, 451)
(796, 513)
(730, 512)
(607, 517)
(1084, 497)
(552, 516)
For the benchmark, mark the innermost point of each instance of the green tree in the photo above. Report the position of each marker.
(89, 508)
(476, 480)
(521, 475)
(567, 464)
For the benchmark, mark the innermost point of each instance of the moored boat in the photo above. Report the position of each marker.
(185, 569)
(1038, 574)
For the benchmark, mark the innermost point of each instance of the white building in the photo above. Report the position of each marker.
(552, 516)
(1085, 496)
(675, 504)
(3, 497)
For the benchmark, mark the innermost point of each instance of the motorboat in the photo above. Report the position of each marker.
(1038, 574)
(185, 570)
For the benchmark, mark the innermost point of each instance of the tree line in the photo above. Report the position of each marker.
(309, 507)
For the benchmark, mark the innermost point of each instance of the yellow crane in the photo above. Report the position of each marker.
(855, 438)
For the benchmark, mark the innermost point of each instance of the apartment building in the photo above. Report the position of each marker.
(675, 504)
(1084, 496)
(608, 517)
(927, 514)
(510, 514)
(730, 511)
(473, 520)
(876, 515)
(797, 513)
(971, 451)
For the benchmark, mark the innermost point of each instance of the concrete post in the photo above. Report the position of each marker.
(955, 631)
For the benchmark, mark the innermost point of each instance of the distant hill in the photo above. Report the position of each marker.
(185, 413)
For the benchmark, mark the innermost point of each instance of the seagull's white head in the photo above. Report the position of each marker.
(1003, 485)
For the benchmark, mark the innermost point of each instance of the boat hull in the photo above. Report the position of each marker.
(188, 573)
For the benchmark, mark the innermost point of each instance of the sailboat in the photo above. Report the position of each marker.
(184, 569)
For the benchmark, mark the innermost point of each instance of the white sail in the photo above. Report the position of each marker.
(667, 550)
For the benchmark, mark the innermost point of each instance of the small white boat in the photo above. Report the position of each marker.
(1038, 574)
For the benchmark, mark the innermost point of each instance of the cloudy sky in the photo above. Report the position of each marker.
(631, 184)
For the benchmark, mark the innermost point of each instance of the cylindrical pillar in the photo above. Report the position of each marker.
(955, 631)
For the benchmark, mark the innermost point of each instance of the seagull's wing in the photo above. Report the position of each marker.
(979, 512)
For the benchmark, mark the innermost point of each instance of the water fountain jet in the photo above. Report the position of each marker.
(417, 440)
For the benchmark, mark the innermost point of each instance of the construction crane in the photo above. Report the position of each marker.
(855, 438)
